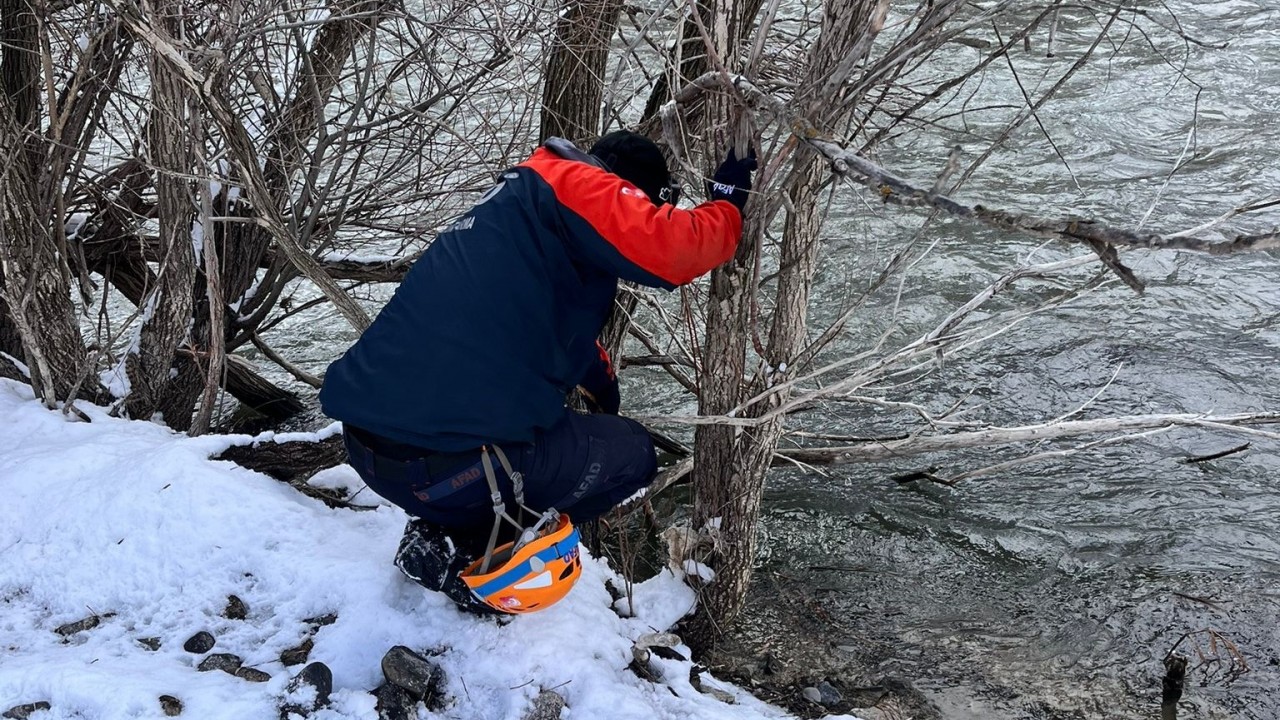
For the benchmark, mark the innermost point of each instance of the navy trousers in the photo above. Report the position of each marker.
(583, 466)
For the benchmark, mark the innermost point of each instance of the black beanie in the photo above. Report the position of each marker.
(635, 158)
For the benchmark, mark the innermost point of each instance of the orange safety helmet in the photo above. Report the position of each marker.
(531, 576)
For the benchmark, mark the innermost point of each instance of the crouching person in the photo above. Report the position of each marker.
(453, 401)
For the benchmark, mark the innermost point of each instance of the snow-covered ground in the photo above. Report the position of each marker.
(132, 523)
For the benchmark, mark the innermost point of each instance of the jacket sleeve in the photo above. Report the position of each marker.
(610, 224)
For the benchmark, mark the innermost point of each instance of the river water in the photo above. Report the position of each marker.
(1054, 590)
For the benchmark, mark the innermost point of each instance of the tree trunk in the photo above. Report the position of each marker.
(731, 464)
(258, 394)
(126, 271)
(37, 285)
(20, 65)
(292, 461)
(216, 345)
(720, 467)
(574, 83)
(167, 308)
(614, 334)
(10, 340)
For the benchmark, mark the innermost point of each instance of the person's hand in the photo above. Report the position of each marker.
(600, 387)
(732, 180)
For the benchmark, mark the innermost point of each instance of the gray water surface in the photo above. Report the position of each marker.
(1055, 590)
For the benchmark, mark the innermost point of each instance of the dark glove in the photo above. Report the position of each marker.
(600, 386)
(733, 180)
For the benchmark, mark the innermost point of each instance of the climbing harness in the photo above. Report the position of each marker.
(539, 567)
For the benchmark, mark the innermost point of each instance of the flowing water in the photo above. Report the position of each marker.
(1054, 590)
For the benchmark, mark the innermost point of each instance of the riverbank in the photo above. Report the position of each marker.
(133, 569)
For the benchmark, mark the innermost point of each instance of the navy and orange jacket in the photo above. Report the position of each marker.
(497, 321)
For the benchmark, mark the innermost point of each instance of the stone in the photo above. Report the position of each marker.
(150, 643)
(721, 695)
(297, 655)
(421, 678)
(812, 694)
(308, 691)
(235, 609)
(22, 712)
(548, 705)
(771, 665)
(394, 703)
(200, 643)
(829, 695)
(322, 620)
(904, 694)
(695, 681)
(171, 705)
(72, 628)
(226, 662)
(252, 675)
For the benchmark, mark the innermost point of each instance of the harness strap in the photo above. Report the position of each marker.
(500, 506)
(517, 480)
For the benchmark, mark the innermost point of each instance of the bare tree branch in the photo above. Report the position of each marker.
(882, 450)
(892, 188)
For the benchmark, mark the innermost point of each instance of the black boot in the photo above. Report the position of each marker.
(432, 558)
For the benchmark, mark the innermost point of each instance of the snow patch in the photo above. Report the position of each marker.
(693, 568)
(115, 379)
(132, 522)
(197, 239)
(354, 256)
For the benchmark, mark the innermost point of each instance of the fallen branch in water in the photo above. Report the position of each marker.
(1215, 456)
(878, 451)
(1221, 655)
